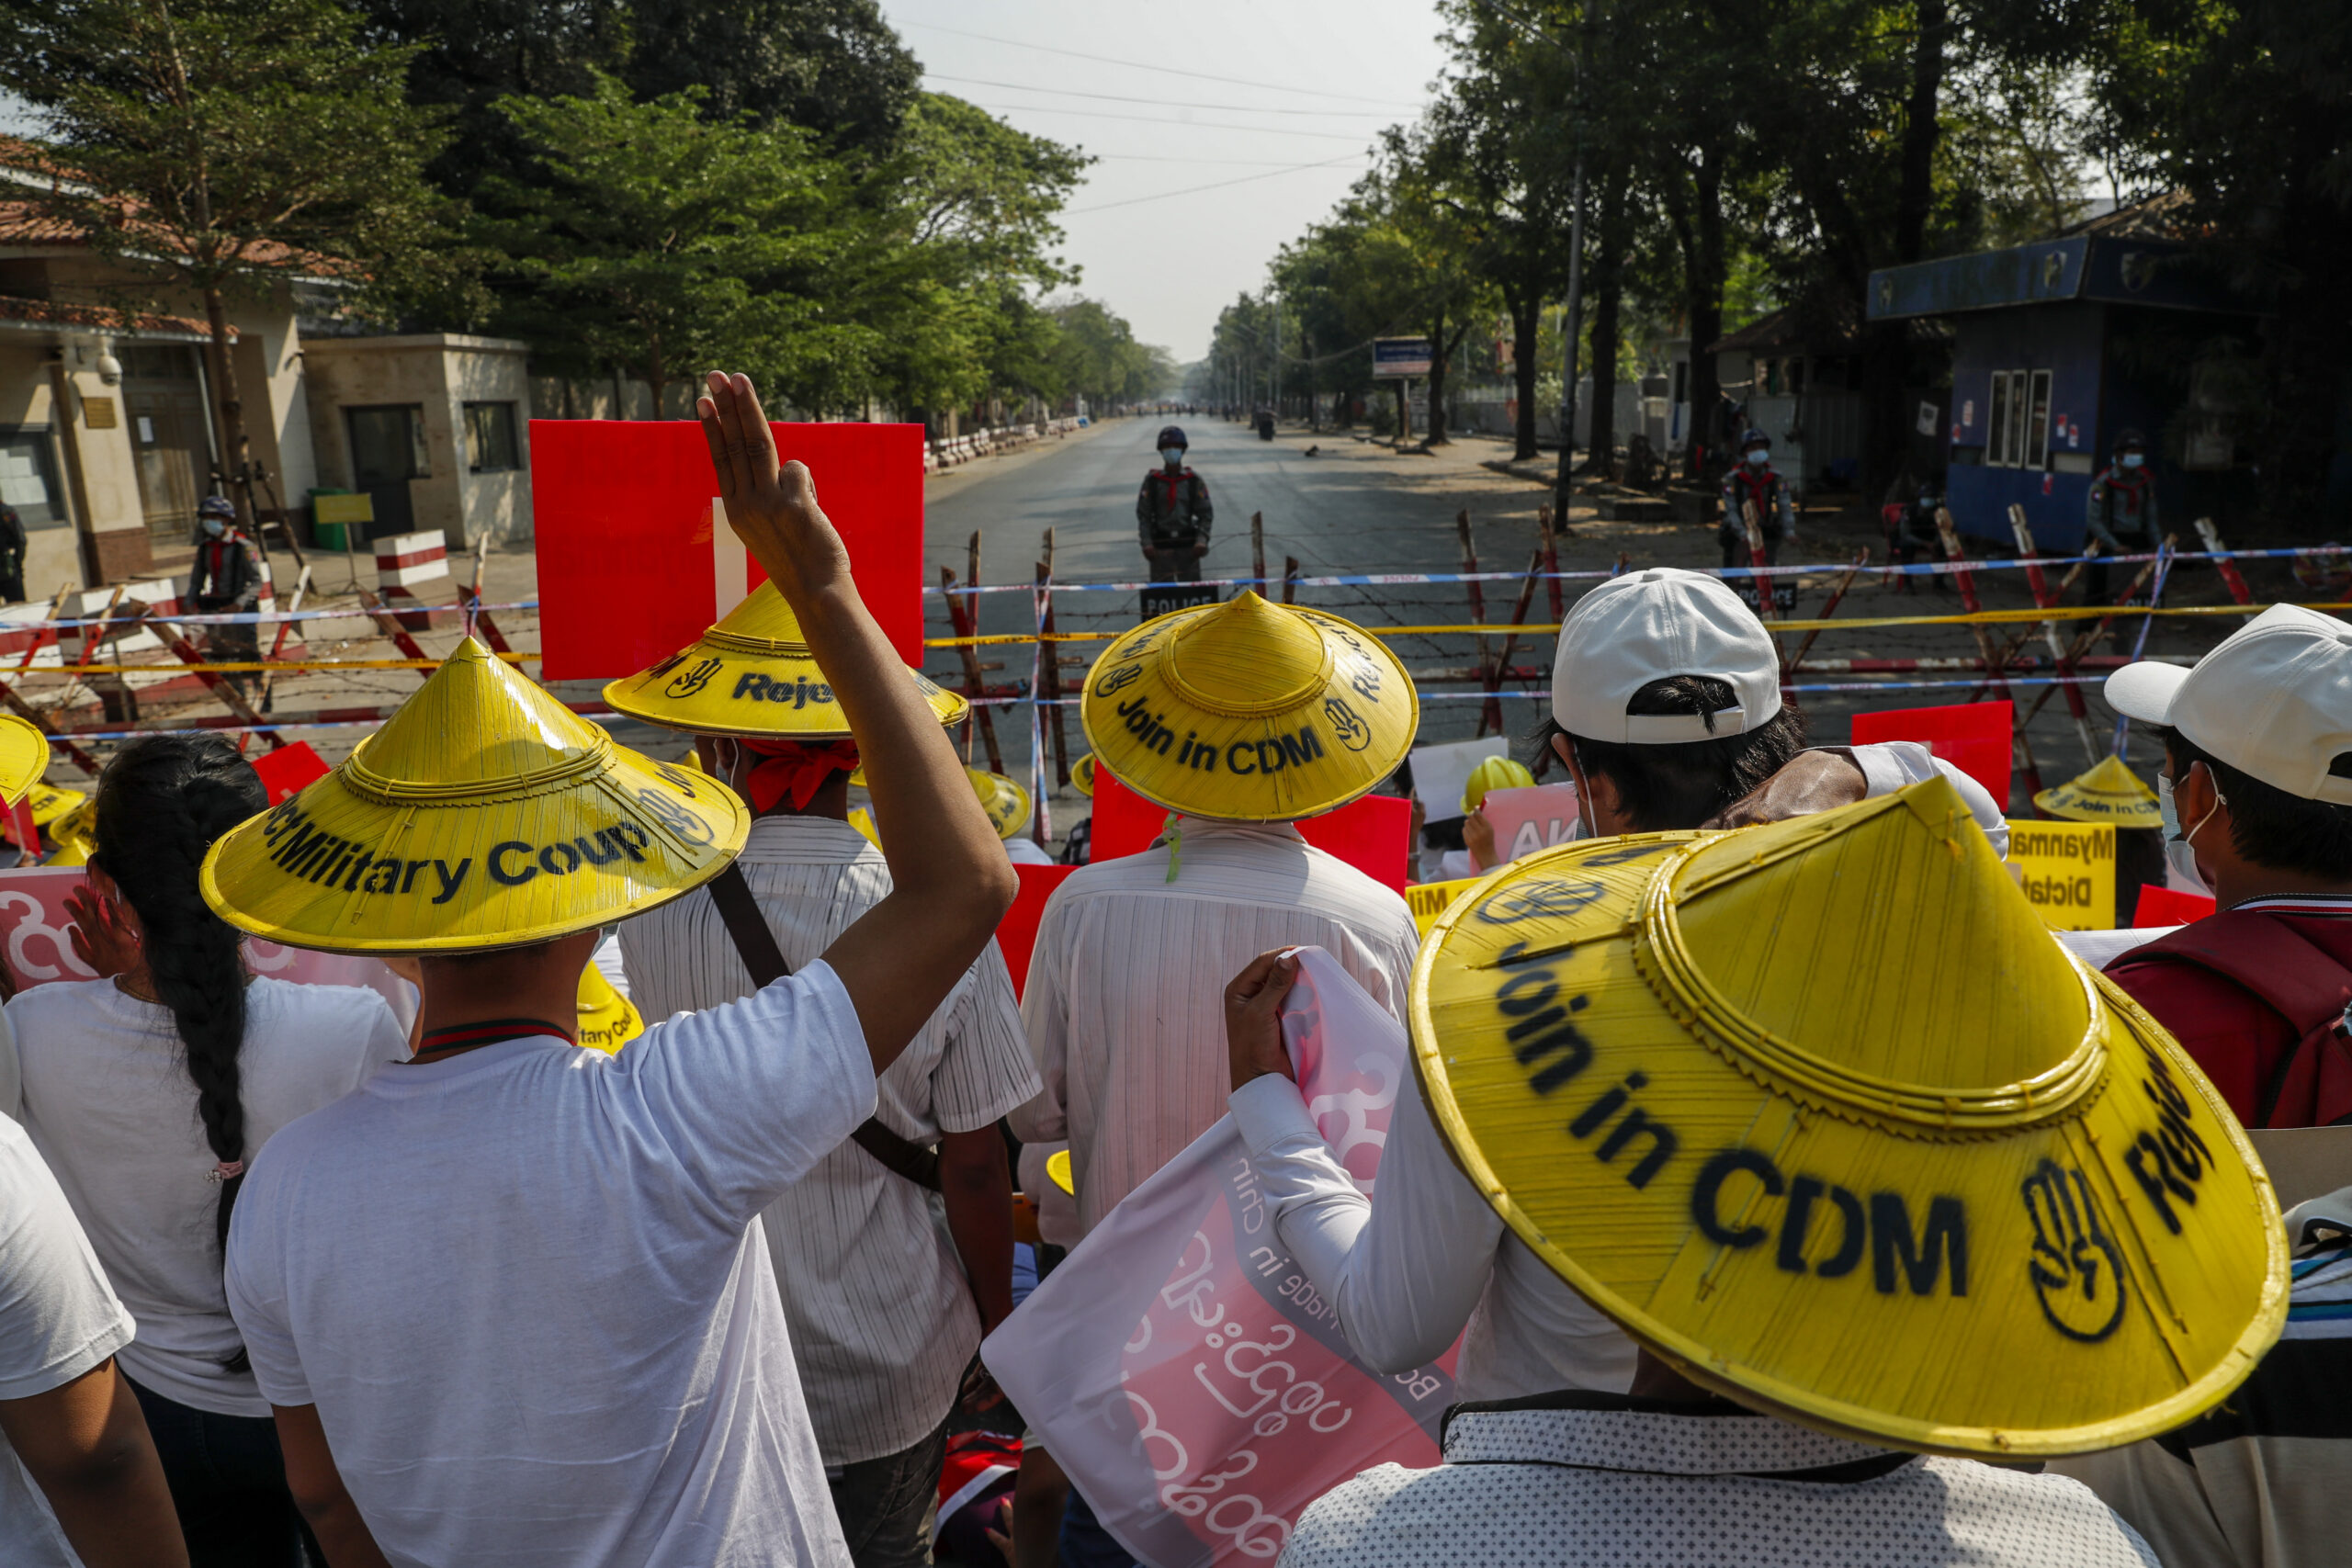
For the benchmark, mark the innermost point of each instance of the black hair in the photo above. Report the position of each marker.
(1682, 783)
(162, 802)
(2269, 826)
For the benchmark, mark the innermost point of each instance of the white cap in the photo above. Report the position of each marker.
(2273, 701)
(1649, 625)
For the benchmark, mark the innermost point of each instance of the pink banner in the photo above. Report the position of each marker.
(1531, 819)
(36, 947)
(1180, 1367)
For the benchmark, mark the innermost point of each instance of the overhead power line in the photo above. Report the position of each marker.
(1173, 124)
(1220, 185)
(1166, 70)
(1130, 97)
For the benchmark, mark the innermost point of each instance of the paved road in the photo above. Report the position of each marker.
(1355, 507)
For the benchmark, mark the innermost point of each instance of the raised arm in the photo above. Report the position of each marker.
(951, 881)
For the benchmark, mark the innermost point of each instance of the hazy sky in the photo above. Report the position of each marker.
(1296, 83)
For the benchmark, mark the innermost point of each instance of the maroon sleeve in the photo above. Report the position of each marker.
(2234, 1037)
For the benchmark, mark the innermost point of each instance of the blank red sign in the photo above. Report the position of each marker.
(1972, 737)
(1375, 834)
(628, 568)
(286, 771)
(1016, 934)
(2169, 906)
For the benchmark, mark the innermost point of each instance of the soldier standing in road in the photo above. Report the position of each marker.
(227, 579)
(1173, 515)
(2122, 507)
(1754, 480)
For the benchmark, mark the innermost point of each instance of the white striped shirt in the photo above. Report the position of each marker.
(882, 1317)
(1124, 1001)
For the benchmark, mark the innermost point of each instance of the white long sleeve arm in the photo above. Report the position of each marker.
(1409, 1267)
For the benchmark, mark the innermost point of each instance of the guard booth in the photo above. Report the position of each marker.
(2059, 344)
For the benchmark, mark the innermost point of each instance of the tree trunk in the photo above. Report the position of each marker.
(1886, 345)
(1697, 211)
(1921, 129)
(1526, 342)
(1435, 435)
(235, 450)
(1609, 294)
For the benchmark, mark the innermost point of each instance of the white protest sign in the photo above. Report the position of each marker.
(1180, 1367)
(1441, 772)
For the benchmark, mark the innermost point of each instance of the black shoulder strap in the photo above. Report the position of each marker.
(756, 946)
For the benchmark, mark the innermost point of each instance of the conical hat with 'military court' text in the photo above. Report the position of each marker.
(1821, 1112)
(752, 674)
(483, 814)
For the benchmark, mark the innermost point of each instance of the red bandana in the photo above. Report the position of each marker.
(796, 767)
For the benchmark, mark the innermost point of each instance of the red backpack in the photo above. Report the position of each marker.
(2295, 979)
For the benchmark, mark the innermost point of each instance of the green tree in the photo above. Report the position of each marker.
(2246, 106)
(650, 239)
(831, 66)
(219, 148)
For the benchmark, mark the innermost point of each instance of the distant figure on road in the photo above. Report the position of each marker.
(2121, 507)
(1754, 480)
(12, 554)
(1172, 513)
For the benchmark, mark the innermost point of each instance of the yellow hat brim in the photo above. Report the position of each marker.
(1003, 799)
(23, 757)
(1183, 748)
(340, 869)
(1663, 1173)
(1081, 775)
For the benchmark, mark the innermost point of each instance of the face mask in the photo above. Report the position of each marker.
(214, 526)
(1760, 457)
(2179, 853)
(1171, 456)
(2132, 459)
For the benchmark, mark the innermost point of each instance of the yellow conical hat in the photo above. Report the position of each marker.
(751, 674)
(1081, 775)
(1494, 772)
(2110, 793)
(483, 814)
(75, 834)
(1820, 1111)
(1006, 802)
(1248, 711)
(23, 757)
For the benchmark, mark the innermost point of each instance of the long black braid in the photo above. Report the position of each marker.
(162, 802)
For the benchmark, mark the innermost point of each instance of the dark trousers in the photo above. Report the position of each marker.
(228, 1482)
(882, 1504)
(1180, 565)
(1085, 1543)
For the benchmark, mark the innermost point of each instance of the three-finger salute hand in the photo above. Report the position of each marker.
(771, 506)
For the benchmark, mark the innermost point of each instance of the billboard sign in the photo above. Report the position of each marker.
(1395, 358)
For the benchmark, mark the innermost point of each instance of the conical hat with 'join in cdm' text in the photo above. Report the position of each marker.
(483, 814)
(1821, 1112)
(2111, 792)
(23, 757)
(1249, 712)
(752, 674)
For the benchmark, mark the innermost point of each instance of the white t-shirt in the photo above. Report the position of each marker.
(110, 1106)
(58, 1320)
(526, 1289)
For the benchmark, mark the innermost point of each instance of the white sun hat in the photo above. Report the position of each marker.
(2273, 701)
(1645, 626)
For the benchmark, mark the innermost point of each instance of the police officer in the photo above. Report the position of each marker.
(1173, 515)
(1753, 481)
(2122, 507)
(12, 554)
(227, 579)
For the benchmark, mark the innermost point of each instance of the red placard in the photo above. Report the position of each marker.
(2168, 906)
(1373, 834)
(1016, 934)
(285, 772)
(1972, 737)
(628, 570)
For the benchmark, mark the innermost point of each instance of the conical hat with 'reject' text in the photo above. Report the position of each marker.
(1821, 1112)
(483, 814)
(752, 674)
(1248, 711)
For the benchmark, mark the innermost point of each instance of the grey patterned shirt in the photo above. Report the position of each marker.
(1608, 1479)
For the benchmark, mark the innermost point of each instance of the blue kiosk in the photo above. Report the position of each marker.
(2056, 348)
